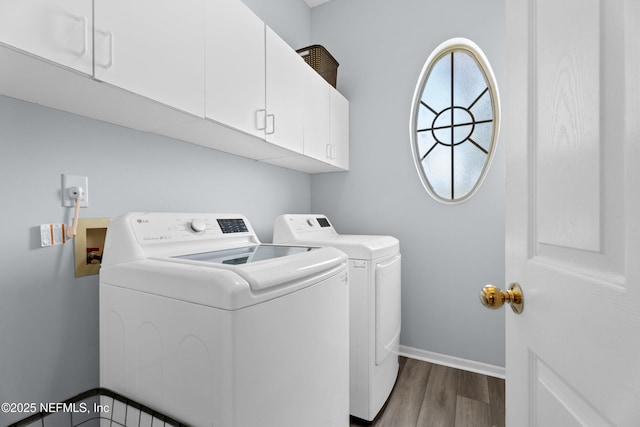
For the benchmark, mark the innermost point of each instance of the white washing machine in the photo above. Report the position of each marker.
(202, 322)
(374, 282)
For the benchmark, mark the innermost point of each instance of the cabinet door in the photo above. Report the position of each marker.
(317, 120)
(339, 130)
(235, 66)
(285, 94)
(57, 30)
(154, 48)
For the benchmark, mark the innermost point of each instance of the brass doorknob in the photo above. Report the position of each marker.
(493, 297)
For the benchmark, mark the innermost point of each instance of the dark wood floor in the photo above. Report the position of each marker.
(429, 395)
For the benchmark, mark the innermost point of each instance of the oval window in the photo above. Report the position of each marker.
(455, 120)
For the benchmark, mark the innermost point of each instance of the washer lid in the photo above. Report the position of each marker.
(246, 255)
(269, 266)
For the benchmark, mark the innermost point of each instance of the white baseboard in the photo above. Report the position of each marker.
(453, 362)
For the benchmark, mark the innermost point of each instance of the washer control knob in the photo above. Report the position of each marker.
(198, 226)
(310, 222)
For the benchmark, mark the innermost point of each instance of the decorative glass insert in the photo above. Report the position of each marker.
(455, 120)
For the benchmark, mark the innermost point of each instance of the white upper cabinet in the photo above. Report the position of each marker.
(285, 94)
(235, 66)
(317, 117)
(209, 72)
(326, 123)
(254, 80)
(339, 130)
(154, 48)
(326, 131)
(57, 30)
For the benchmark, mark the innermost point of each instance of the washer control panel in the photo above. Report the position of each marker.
(140, 235)
(169, 227)
(232, 225)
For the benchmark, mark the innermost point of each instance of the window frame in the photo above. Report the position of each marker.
(467, 46)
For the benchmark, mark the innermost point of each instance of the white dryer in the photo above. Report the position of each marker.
(374, 283)
(201, 321)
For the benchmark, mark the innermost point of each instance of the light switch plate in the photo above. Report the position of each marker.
(69, 181)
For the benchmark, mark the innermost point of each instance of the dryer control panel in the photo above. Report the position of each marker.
(291, 227)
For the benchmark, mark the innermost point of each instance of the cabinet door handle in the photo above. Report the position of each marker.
(261, 119)
(85, 28)
(331, 151)
(109, 34)
(273, 124)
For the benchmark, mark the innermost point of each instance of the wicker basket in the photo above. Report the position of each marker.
(321, 60)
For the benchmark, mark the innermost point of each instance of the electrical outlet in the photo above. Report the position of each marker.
(70, 186)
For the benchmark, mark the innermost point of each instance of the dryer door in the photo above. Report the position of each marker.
(387, 308)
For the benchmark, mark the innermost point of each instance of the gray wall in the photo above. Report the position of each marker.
(290, 19)
(48, 318)
(449, 251)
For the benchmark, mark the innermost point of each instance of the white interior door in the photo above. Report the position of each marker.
(572, 135)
